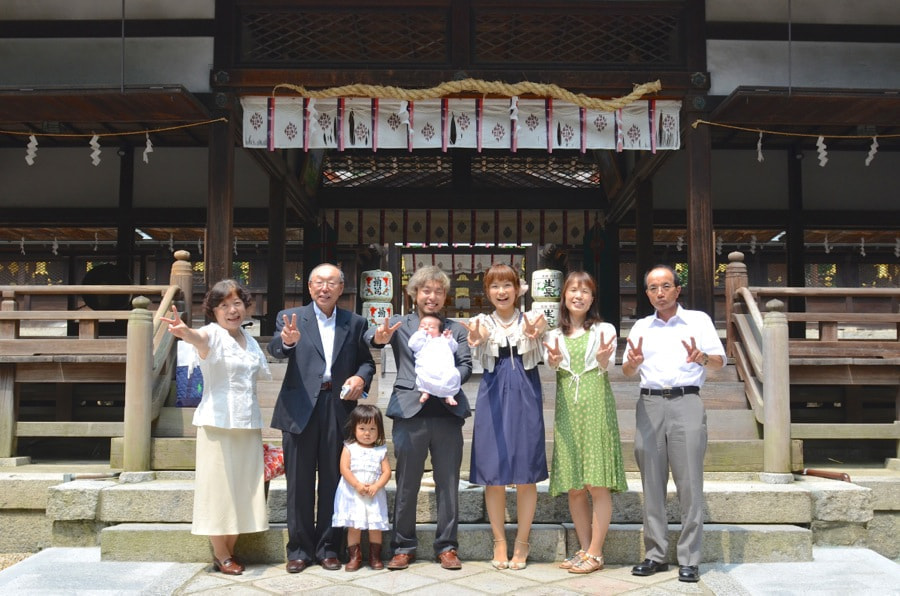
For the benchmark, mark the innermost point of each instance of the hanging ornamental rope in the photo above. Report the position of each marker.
(32, 148)
(476, 85)
(821, 149)
(478, 115)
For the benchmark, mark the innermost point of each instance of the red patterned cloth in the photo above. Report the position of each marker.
(273, 458)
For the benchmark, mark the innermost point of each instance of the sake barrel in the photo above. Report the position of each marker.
(546, 285)
(375, 312)
(550, 310)
(376, 285)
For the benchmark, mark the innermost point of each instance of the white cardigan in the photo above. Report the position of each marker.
(590, 355)
(488, 352)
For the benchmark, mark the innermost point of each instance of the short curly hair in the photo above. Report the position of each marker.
(219, 292)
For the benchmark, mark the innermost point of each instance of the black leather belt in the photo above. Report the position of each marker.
(671, 391)
(325, 387)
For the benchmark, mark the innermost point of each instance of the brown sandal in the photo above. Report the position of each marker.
(567, 563)
(587, 564)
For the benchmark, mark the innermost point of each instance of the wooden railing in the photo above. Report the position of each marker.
(771, 362)
(144, 358)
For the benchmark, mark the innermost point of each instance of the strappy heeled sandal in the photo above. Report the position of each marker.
(567, 563)
(588, 564)
(518, 566)
(499, 564)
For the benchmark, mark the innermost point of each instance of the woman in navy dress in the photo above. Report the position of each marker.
(508, 436)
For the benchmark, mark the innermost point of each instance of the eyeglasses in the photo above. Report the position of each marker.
(321, 283)
(664, 288)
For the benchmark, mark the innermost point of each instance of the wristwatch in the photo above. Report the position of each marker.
(705, 359)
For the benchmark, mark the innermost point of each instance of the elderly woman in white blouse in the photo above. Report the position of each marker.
(229, 496)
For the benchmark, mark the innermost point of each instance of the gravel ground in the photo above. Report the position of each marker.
(9, 559)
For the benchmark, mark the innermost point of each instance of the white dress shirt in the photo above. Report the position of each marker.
(326, 332)
(665, 357)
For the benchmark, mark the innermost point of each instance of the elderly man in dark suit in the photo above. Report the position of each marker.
(327, 351)
(419, 428)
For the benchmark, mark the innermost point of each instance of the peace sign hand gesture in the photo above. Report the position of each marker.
(635, 354)
(554, 354)
(694, 354)
(476, 334)
(534, 329)
(606, 350)
(290, 335)
(384, 332)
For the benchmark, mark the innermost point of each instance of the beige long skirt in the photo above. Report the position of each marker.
(229, 495)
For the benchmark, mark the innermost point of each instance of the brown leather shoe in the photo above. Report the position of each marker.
(228, 566)
(355, 561)
(375, 561)
(296, 565)
(401, 561)
(449, 559)
(330, 563)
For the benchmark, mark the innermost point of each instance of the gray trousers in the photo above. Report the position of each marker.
(671, 433)
(413, 438)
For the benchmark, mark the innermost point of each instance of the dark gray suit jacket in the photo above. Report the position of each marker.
(404, 402)
(303, 378)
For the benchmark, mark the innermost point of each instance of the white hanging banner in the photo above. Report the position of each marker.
(255, 121)
(532, 124)
(668, 129)
(461, 132)
(600, 129)
(357, 123)
(288, 122)
(323, 124)
(391, 129)
(364, 123)
(495, 124)
(566, 126)
(427, 125)
(635, 124)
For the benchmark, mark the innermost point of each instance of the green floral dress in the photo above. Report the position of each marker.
(586, 448)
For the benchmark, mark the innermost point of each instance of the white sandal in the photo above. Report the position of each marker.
(567, 563)
(588, 564)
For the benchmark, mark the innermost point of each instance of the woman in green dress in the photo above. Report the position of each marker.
(587, 453)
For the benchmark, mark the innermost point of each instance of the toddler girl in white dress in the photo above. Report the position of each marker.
(360, 502)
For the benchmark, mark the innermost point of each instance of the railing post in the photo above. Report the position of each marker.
(182, 275)
(735, 277)
(8, 330)
(138, 381)
(776, 396)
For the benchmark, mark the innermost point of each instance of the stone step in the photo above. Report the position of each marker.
(723, 543)
(169, 499)
(722, 455)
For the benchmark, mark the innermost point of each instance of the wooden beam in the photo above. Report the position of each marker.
(220, 202)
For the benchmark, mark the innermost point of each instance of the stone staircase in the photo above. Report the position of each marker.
(146, 516)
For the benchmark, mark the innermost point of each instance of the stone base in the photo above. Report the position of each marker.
(12, 462)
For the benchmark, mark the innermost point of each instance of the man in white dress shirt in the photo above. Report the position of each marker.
(672, 349)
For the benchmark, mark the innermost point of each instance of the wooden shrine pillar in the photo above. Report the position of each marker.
(796, 269)
(277, 255)
(125, 229)
(644, 259)
(220, 202)
(701, 255)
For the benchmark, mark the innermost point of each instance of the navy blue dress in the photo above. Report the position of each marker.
(508, 436)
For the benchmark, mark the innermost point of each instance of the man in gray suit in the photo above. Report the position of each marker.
(672, 349)
(327, 350)
(418, 428)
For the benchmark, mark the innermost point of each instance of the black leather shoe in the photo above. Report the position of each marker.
(648, 567)
(296, 565)
(330, 563)
(688, 573)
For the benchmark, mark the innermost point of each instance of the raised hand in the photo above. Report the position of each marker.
(606, 350)
(536, 328)
(290, 335)
(385, 332)
(475, 336)
(177, 327)
(694, 354)
(554, 354)
(635, 354)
